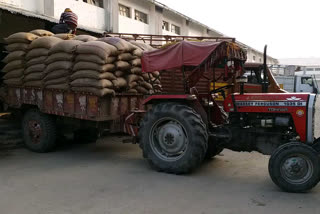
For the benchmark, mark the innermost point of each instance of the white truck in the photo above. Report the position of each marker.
(298, 83)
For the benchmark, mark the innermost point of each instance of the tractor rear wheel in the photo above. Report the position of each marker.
(173, 138)
(39, 131)
(294, 167)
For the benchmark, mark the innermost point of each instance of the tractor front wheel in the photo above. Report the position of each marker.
(173, 138)
(294, 167)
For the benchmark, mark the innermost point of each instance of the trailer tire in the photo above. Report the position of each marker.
(184, 138)
(213, 149)
(39, 131)
(294, 167)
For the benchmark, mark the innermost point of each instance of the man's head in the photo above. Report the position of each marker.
(67, 10)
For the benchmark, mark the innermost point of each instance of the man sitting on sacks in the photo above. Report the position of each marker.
(68, 23)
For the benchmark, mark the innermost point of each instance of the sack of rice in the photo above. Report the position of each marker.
(56, 74)
(95, 91)
(20, 37)
(44, 42)
(57, 81)
(126, 57)
(37, 60)
(37, 52)
(94, 59)
(13, 81)
(101, 49)
(59, 57)
(58, 65)
(63, 86)
(64, 36)
(119, 73)
(85, 38)
(36, 83)
(122, 65)
(92, 75)
(93, 66)
(35, 68)
(136, 62)
(16, 64)
(41, 33)
(87, 82)
(119, 83)
(120, 44)
(17, 73)
(141, 90)
(143, 46)
(33, 76)
(15, 55)
(136, 70)
(65, 46)
(17, 47)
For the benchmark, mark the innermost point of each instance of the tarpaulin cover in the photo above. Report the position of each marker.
(175, 56)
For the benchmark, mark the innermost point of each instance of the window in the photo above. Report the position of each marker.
(165, 25)
(317, 69)
(309, 69)
(260, 60)
(307, 80)
(98, 3)
(254, 58)
(124, 11)
(142, 17)
(175, 29)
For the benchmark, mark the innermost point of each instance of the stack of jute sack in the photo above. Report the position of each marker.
(59, 65)
(18, 45)
(36, 58)
(93, 68)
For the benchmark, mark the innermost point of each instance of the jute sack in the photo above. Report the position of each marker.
(138, 52)
(87, 82)
(85, 38)
(94, 59)
(133, 84)
(156, 73)
(14, 81)
(101, 49)
(40, 32)
(146, 85)
(65, 65)
(146, 76)
(18, 73)
(133, 78)
(141, 90)
(33, 76)
(64, 36)
(93, 66)
(15, 55)
(122, 65)
(61, 80)
(119, 73)
(92, 75)
(59, 57)
(120, 44)
(21, 37)
(134, 91)
(125, 57)
(136, 62)
(95, 91)
(44, 42)
(35, 68)
(16, 64)
(17, 47)
(120, 83)
(37, 60)
(63, 87)
(36, 83)
(136, 70)
(143, 46)
(34, 53)
(65, 46)
(56, 74)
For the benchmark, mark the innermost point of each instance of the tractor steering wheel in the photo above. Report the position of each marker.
(221, 89)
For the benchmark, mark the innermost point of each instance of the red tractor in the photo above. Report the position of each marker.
(184, 124)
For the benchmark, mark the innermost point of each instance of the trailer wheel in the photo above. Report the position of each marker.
(173, 138)
(39, 131)
(213, 149)
(294, 167)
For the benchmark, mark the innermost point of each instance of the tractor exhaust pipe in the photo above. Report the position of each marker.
(265, 83)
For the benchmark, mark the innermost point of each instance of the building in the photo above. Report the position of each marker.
(118, 16)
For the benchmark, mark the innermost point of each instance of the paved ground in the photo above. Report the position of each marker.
(109, 177)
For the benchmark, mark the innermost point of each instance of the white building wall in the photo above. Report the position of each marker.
(36, 6)
(195, 30)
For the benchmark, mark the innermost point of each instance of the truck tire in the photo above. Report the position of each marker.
(213, 149)
(173, 138)
(10, 134)
(39, 131)
(294, 167)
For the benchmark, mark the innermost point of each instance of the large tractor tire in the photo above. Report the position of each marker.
(213, 149)
(39, 131)
(294, 167)
(173, 138)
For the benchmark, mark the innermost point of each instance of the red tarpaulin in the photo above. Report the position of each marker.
(175, 56)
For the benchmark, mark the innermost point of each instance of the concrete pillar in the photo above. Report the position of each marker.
(157, 21)
(184, 28)
(48, 8)
(112, 15)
